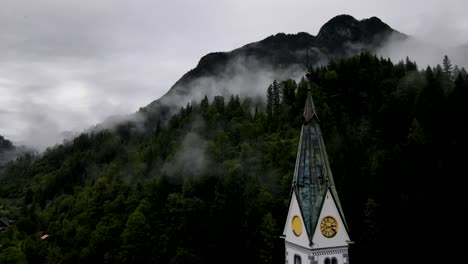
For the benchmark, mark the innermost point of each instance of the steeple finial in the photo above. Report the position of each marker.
(309, 109)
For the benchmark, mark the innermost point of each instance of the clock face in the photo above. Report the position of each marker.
(329, 226)
(296, 225)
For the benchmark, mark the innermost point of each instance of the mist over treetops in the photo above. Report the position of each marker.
(209, 176)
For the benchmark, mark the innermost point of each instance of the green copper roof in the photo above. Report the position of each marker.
(312, 175)
(309, 109)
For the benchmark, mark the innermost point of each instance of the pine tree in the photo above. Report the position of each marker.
(276, 104)
(270, 104)
(188, 108)
(204, 104)
(455, 72)
(410, 65)
(463, 72)
(447, 68)
(218, 102)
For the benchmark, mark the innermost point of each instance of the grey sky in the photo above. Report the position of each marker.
(67, 65)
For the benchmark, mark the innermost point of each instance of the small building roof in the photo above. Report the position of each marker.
(4, 221)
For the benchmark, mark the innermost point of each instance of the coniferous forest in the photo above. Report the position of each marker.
(212, 184)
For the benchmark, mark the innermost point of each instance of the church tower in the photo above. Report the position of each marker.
(315, 231)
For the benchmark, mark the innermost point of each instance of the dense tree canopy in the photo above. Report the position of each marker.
(212, 185)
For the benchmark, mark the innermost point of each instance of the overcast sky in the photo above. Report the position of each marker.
(67, 65)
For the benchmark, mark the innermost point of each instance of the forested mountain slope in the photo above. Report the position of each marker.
(212, 185)
(8, 151)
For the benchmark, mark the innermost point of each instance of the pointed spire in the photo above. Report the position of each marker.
(309, 109)
(312, 174)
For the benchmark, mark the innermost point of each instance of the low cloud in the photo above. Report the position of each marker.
(43, 101)
(190, 160)
(424, 50)
(244, 76)
(67, 66)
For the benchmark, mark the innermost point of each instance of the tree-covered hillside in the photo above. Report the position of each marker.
(212, 184)
(5, 147)
(9, 151)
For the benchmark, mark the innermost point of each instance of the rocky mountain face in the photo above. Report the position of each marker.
(344, 32)
(274, 56)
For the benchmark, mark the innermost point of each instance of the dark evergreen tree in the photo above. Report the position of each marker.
(276, 105)
(270, 104)
(447, 67)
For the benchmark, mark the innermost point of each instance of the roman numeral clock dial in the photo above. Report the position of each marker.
(328, 226)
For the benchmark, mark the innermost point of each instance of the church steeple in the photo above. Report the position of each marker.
(314, 199)
(309, 109)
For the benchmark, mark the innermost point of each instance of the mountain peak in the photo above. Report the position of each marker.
(342, 19)
(343, 29)
(342, 25)
(341, 36)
